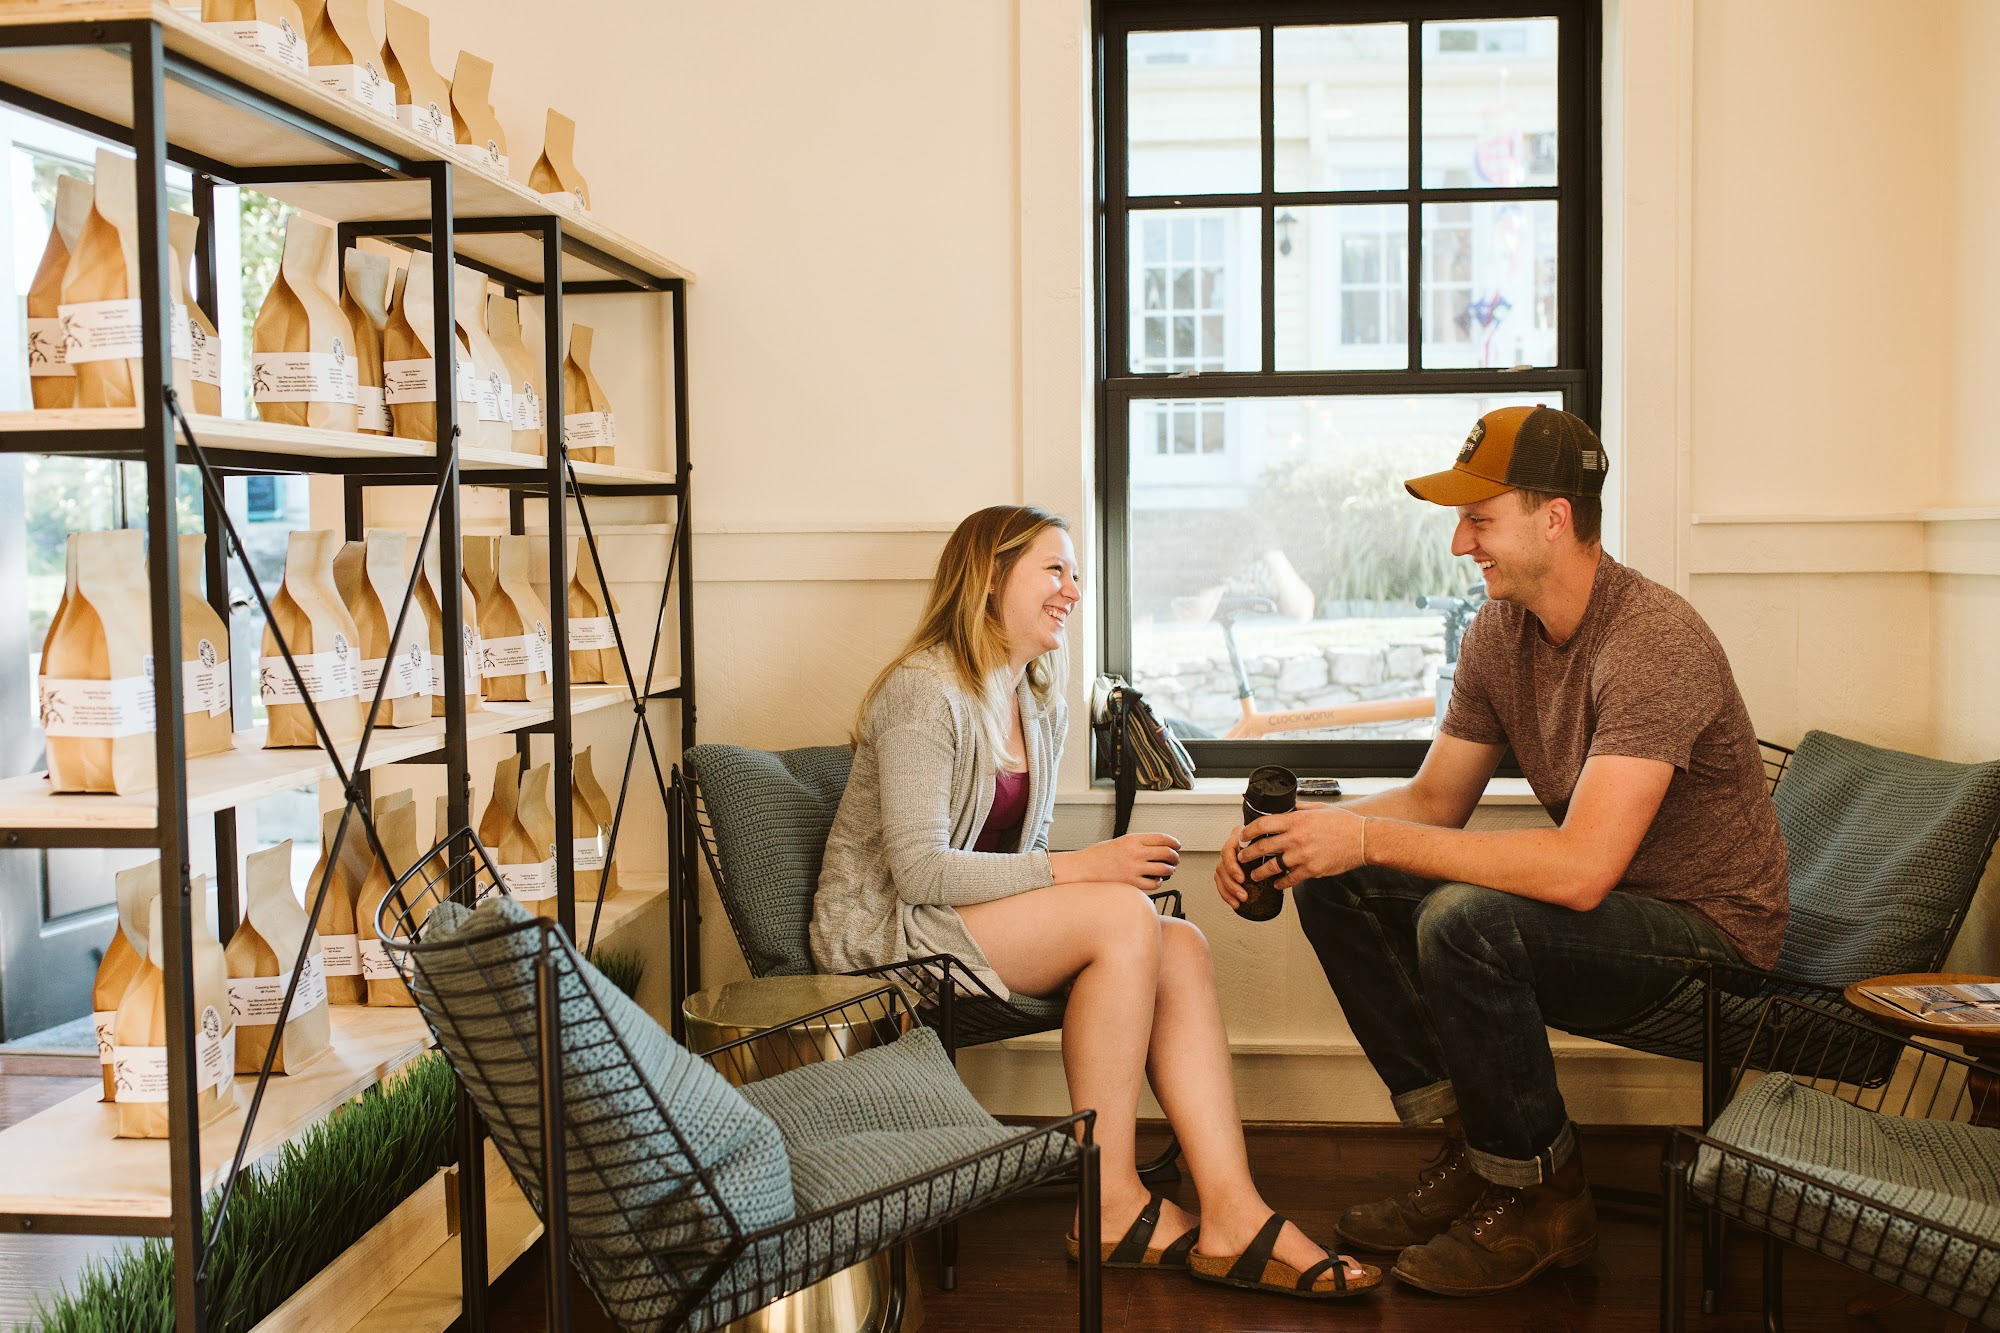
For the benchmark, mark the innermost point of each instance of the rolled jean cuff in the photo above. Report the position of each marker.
(1423, 1105)
(1522, 1171)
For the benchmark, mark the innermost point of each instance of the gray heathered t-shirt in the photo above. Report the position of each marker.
(1642, 676)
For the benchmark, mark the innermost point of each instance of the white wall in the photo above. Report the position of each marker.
(887, 207)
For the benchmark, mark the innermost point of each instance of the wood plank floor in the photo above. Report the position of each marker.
(1013, 1275)
(35, 1266)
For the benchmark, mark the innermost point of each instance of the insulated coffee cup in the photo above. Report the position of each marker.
(1271, 791)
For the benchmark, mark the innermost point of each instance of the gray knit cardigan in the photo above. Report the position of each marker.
(897, 868)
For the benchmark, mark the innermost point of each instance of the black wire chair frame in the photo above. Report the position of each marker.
(1838, 1055)
(522, 1102)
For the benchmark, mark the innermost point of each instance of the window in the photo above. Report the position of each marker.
(1326, 249)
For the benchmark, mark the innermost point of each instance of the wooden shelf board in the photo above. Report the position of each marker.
(264, 437)
(68, 1161)
(98, 80)
(250, 772)
(430, 1298)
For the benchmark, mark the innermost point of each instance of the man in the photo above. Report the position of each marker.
(1450, 950)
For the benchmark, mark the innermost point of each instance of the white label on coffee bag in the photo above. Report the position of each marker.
(102, 330)
(487, 395)
(180, 334)
(364, 83)
(205, 682)
(214, 1051)
(189, 11)
(328, 675)
(305, 377)
(568, 200)
(544, 648)
(464, 384)
(406, 676)
(102, 1020)
(485, 155)
(278, 41)
(430, 120)
(531, 883)
(371, 409)
(408, 381)
(204, 354)
(591, 634)
(587, 853)
(375, 964)
(514, 655)
(527, 408)
(588, 430)
(45, 349)
(139, 1074)
(341, 954)
(99, 709)
(261, 999)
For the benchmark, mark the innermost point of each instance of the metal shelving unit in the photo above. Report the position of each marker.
(142, 75)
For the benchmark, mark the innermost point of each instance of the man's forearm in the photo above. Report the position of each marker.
(1405, 803)
(1534, 863)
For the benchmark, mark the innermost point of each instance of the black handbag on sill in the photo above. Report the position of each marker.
(1134, 748)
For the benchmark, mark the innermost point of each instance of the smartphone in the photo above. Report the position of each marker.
(1319, 789)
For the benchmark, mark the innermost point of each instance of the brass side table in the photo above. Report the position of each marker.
(855, 1300)
(1979, 1043)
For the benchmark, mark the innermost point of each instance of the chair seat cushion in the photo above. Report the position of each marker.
(908, 1085)
(643, 1114)
(1943, 1171)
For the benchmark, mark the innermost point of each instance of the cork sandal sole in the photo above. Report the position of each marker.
(1256, 1270)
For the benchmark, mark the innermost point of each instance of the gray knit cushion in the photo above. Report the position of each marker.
(1885, 851)
(771, 813)
(640, 1224)
(907, 1085)
(1945, 1172)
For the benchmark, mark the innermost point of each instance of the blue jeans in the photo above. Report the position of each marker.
(1449, 987)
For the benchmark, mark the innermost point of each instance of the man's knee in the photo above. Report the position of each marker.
(1454, 916)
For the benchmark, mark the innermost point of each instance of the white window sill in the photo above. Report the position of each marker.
(1229, 791)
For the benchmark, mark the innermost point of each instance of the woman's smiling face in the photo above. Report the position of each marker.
(1041, 590)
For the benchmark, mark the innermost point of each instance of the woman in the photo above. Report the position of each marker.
(941, 846)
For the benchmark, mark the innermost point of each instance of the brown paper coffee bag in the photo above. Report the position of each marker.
(396, 824)
(139, 1033)
(593, 643)
(513, 624)
(490, 424)
(273, 29)
(423, 98)
(97, 670)
(51, 379)
(364, 299)
(260, 958)
(324, 643)
(124, 958)
(371, 576)
(590, 830)
(518, 829)
(196, 347)
(475, 129)
(409, 362)
(427, 597)
(590, 431)
(205, 679)
(302, 362)
(103, 327)
(346, 53)
(338, 936)
(503, 325)
(555, 176)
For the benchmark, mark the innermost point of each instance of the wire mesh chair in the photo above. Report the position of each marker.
(623, 1148)
(1898, 1178)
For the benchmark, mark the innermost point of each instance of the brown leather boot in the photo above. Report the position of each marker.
(1508, 1238)
(1446, 1187)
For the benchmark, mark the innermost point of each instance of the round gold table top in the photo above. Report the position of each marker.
(763, 1002)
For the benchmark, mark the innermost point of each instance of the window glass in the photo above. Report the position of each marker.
(1341, 98)
(1191, 111)
(1490, 284)
(1490, 103)
(1343, 287)
(1194, 294)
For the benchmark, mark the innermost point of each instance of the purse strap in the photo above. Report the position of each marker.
(1124, 772)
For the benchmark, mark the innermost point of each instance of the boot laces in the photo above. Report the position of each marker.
(1450, 1159)
(1492, 1206)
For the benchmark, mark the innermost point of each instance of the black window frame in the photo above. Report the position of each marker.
(1578, 374)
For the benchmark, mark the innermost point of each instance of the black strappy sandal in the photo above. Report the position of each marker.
(1256, 1270)
(1132, 1251)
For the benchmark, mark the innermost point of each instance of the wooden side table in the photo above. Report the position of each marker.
(1982, 1043)
(855, 1300)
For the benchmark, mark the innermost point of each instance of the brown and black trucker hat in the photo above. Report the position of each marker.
(1519, 448)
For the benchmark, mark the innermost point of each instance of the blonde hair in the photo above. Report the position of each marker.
(960, 620)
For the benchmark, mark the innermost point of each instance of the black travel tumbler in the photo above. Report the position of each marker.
(1271, 791)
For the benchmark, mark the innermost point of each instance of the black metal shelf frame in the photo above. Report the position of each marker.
(155, 442)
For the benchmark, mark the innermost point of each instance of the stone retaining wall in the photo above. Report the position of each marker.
(1203, 690)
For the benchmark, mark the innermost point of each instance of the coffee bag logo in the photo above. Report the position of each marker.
(206, 653)
(340, 647)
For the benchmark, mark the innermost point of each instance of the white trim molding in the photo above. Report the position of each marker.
(1923, 541)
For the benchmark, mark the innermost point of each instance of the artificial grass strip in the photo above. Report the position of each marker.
(622, 968)
(291, 1216)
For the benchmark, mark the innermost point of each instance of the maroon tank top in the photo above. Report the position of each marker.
(1002, 832)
